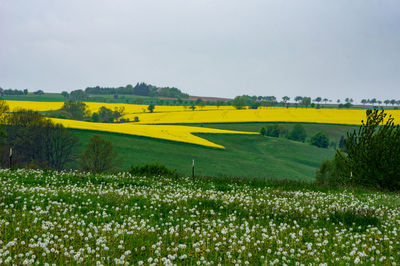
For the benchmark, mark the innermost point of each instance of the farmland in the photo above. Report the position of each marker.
(246, 156)
(69, 218)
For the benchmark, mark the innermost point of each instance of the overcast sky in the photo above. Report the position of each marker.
(332, 48)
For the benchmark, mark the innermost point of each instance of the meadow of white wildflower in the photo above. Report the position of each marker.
(75, 218)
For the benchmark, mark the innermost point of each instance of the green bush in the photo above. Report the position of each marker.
(153, 169)
(298, 133)
(320, 140)
(372, 156)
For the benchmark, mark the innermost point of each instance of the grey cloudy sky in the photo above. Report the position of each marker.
(332, 48)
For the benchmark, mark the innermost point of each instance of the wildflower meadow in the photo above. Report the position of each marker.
(81, 218)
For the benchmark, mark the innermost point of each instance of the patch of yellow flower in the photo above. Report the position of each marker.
(264, 114)
(166, 132)
(129, 109)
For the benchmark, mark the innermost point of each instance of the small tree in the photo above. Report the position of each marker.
(151, 107)
(320, 140)
(298, 133)
(239, 102)
(98, 156)
(263, 131)
(372, 158)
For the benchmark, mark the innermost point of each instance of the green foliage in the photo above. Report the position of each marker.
(305, 101)
(141, 89)
(298, 133)
(75, 110)
(239, 102)
(106, 115)
(274, 130)
(98, 156)
(38, 141)
(320, 140)
(78, 96)
(373, 153)
(263, 131)
(151, 108)
(153, 169)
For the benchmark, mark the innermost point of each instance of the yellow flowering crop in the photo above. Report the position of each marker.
(270, 114)
(167, 132)
(36, 106)
(94, 107)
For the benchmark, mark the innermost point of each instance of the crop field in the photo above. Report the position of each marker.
(208, 114)
(69, 218)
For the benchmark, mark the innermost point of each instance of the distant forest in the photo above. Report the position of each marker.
(141, 89)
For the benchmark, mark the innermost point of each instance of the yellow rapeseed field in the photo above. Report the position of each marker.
(270, 114)
(94, 107)
(167, 132)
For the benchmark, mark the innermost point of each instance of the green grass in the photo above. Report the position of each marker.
(333, 131)
(250, 156)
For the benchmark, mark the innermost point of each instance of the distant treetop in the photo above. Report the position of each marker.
(141, 89)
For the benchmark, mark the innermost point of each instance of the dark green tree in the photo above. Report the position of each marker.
(239, 102)
(298, 133)
(37, 141)
(151, 108)
(320, 140)
(75, 110)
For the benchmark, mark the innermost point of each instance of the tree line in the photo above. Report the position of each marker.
(141, 89)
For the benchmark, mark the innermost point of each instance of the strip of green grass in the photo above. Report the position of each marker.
(333, 131)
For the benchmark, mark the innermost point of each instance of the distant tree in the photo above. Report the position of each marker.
(218, 103)
(285, 99)
(263, 131)
(306, 101)
(38, 92)
(298, 99)
(239, 102)
(75, 110)
(78, 96)
(364, 101)
(393, 102)
(325, 100)
(318, 100)
(320, 140)
(25, 91)
(65, 94)
(151, 108)
(98, 156)
(298, 133)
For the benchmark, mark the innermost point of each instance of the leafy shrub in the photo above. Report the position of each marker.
(373, 156)
(275, 131)
(298, 133)
(153, 169)
(320, 140)
(98, 156)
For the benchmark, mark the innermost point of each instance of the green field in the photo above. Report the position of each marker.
(244, 156)
(334, 132)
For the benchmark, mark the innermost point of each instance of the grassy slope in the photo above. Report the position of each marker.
(334, 132)
(245, 156)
